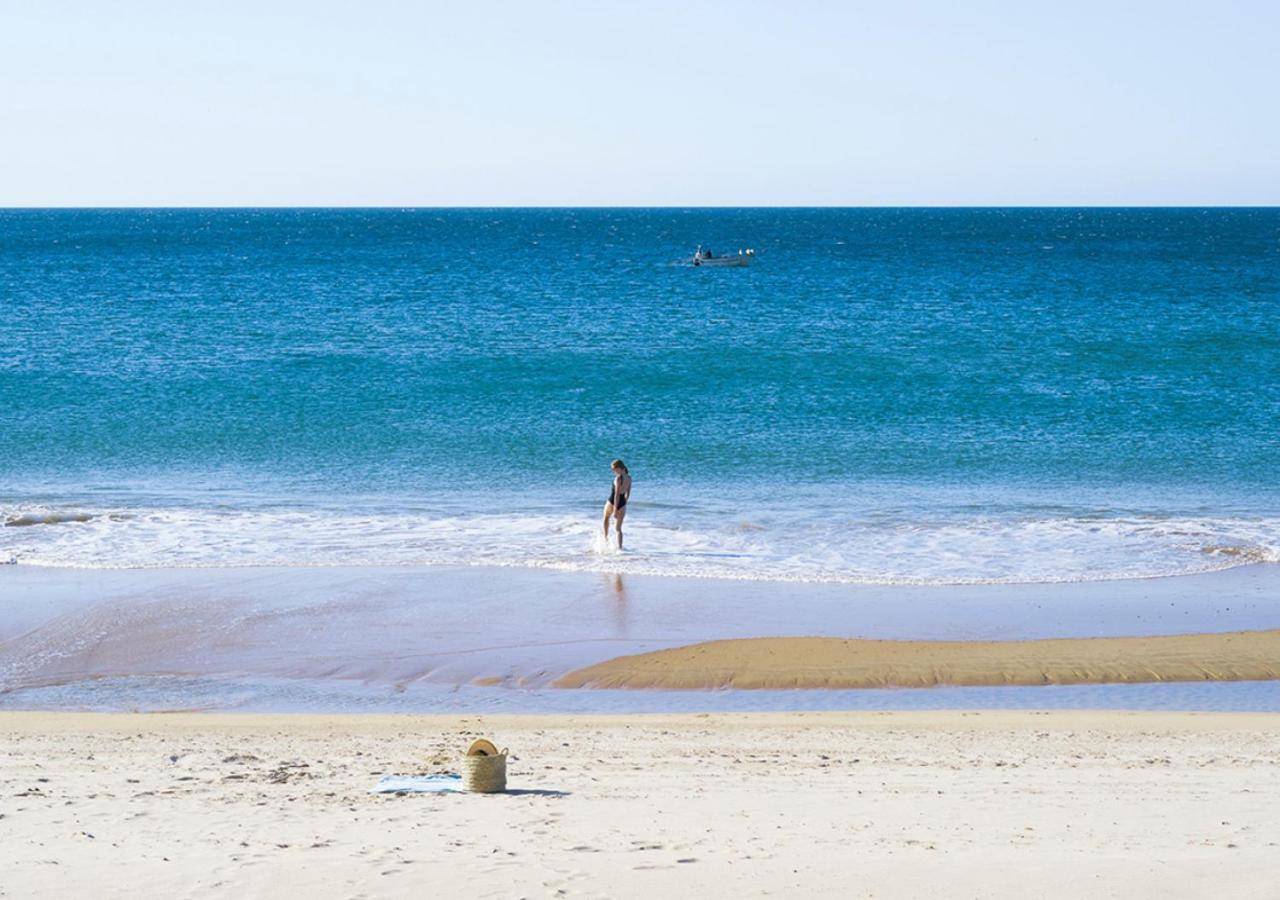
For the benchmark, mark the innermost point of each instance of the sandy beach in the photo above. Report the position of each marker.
(957, 804)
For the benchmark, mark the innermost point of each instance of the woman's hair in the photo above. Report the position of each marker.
(619, 464)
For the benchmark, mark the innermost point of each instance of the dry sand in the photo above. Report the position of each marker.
(816, 662)
(939, 804)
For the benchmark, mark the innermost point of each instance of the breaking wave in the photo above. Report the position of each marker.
(676, 541)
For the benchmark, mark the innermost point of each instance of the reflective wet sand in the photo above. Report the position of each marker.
(394, 629)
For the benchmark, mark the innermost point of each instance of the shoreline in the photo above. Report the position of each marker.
(611, 569)
(16, 723)
(919, 804)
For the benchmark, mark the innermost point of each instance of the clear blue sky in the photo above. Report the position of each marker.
(653, 103)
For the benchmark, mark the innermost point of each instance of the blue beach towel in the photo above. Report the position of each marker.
(419, 784)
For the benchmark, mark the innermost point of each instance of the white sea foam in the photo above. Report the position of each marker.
(602, 546)
(885, 549)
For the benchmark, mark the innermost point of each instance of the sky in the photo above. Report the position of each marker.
(380, 103)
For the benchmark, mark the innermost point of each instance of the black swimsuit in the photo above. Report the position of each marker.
(618, 503)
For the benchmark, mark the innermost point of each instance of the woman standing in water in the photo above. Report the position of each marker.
(618, 496)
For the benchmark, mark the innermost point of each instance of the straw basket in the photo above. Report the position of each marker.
(484, 769)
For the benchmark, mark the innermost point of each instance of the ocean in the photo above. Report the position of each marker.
(885, 396)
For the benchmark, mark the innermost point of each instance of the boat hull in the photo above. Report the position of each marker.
(725, 262)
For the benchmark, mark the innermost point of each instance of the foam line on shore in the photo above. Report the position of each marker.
(820, 662)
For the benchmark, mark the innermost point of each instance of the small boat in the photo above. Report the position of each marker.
(707, 258)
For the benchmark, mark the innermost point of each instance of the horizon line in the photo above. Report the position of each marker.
(604, 206)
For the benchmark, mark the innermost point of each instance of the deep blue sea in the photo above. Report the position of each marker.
(887, 395)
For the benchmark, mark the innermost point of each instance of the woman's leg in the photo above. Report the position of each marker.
(608, 511)
(619, 515)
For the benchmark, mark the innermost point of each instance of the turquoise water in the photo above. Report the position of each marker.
(884, 395)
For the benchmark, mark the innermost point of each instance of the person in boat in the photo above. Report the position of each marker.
(616, 505)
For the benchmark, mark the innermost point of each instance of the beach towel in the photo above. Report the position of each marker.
(418, 784)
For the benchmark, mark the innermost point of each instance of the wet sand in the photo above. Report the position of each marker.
(808, 662)
(902, 804)
(89, 638)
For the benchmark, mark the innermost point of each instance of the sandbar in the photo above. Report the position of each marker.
(823, 662)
